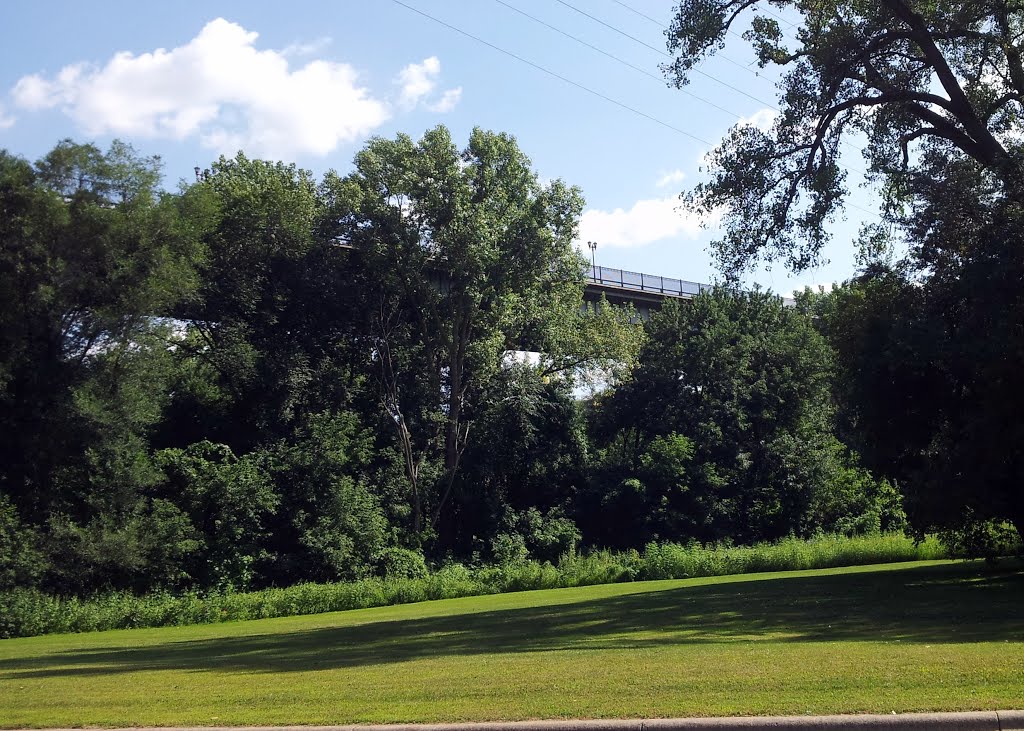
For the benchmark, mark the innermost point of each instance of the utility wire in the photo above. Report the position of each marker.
(549, 72)
(663, 53)
(737, 117)
(659, 24)
(587, 89)
(642, 15)
(643, 71)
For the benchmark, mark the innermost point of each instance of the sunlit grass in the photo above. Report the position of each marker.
(926, 636)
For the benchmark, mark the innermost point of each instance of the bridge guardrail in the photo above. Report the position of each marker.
(641, 282)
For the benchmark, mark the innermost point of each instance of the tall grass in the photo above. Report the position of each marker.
(25, 613)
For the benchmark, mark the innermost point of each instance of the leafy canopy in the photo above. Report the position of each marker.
(916, 83)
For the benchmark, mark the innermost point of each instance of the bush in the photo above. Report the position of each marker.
(25, 612)
(21, 560)
(986, 539)
(401, 563)
(532, 534)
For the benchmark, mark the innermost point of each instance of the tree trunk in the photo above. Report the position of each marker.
(455, 434)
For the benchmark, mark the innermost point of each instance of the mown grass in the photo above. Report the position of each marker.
(910, 637)
(28, 613)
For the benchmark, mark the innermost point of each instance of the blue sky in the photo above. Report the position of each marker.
(310, 82)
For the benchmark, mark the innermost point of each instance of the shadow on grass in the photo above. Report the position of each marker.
(937, 604)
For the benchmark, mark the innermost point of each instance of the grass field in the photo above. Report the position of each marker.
(906, 637)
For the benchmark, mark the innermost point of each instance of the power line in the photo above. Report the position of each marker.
(549, 72)
(642, 15)
(643, 71)
(661, 24)
(663, 53)
(775, 83)
(566, 80)
(737, 117)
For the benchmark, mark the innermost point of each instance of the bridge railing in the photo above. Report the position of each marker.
(640, 282)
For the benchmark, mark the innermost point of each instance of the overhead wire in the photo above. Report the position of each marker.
(612, 56)
(558, 76)
(737, 117)
(775, 84)
(663, 53)
(660, 24)
(576, 84)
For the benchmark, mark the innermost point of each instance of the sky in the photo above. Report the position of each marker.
(311, 82)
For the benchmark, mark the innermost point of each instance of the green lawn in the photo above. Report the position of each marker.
(902, 637)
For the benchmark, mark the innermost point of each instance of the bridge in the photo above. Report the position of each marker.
(646, 292)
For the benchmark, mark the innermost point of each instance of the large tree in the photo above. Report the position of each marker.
(932, 92)
(93, 257)
(470, 257)
(724, 430)
(916, 83)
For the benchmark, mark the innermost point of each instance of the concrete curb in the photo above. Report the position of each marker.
(970, 721)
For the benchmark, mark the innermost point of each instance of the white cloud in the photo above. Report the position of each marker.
(307, 49)
(447, 101)
(646, 222)
(5, 119)
(418, 80)
(217, 87)
(671, 178)
(763, 119)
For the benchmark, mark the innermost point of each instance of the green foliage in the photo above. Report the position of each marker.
(471, 257)
(21, 558)
(990, 539)
(25, 612)
(92, 255)
(724, 431)
(528, 457)
(401, 563)
(674, 561)
(148, 547)
(909, 77)
(337, 524)
(927, 344)
(265, 380)
(230, 500)
(923, 384)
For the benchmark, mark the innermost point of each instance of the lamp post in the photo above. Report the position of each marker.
(592, 245)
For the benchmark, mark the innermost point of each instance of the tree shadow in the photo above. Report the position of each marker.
(933, 605)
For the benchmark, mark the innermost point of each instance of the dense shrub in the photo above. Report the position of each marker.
(402, 563)
(21, 560)
(26, 612)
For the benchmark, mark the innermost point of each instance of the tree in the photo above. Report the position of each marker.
(936, 89)
(469, 256)
(725, 429)
(266, 316)
(528, 453)
(92, 256)
(929, 84)
(925, 384)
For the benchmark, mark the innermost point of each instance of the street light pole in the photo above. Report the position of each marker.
(592, 245)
